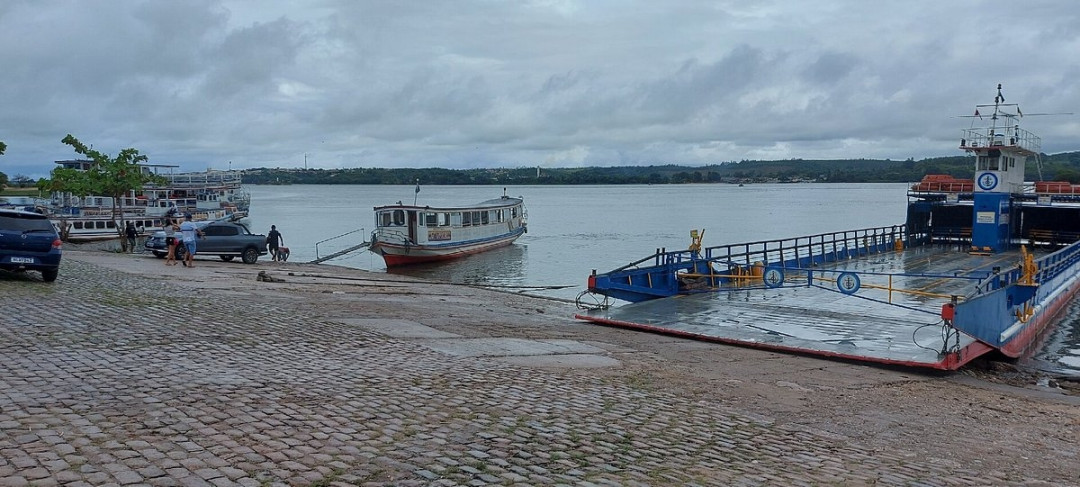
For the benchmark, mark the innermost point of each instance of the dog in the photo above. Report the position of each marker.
(283, 253)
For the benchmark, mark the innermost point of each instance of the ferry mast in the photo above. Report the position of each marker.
(1002, 150)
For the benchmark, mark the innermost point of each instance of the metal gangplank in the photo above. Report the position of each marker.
(323, 258)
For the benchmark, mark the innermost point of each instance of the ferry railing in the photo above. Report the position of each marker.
(792, 252)
(808, 250)
(1011, 136)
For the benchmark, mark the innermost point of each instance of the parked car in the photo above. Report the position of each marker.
(226, 240)
(29, 242)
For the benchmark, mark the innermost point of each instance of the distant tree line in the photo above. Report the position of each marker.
(1058, 167)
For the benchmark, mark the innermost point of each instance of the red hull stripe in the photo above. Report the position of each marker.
(392, 260)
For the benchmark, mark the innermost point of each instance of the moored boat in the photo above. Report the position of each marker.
(411, 234)
(212, 195)
(981, 265)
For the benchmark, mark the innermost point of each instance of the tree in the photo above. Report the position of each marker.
(115, 177)
(22, 180)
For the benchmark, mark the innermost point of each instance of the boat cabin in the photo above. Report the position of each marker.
(423, 225)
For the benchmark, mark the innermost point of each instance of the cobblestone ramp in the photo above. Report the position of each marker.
(109, 379)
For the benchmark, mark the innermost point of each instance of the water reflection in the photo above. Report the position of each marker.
(1060, 353)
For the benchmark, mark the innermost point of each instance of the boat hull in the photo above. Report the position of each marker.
(395, 255)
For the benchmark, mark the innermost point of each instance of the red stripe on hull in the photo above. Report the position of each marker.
(393, 260)
(950, 362)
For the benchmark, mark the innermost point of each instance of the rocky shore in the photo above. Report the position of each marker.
(127, 372)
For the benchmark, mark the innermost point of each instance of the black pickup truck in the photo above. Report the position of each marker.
(223, 239)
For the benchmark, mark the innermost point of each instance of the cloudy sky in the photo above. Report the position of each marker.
(553, 83)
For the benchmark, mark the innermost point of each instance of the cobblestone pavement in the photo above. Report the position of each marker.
(112, 379)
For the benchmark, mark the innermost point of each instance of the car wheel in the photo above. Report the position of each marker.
(49, 275)
(226, 258)
(160, 255)
(181, 252)
(250, 255)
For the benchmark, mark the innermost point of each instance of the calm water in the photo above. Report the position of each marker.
(573, 229)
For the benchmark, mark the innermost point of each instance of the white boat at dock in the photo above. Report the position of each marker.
(207, 195)
(410, 234)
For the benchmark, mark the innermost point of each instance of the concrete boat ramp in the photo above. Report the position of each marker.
(882, 308)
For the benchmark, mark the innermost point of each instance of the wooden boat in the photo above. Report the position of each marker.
(410, 234)
(981, 265)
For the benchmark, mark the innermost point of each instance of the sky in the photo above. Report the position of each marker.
(219, 84)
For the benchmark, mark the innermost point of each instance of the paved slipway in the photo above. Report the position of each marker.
(127, 372)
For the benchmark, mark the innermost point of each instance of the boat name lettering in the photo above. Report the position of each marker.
(438, 235)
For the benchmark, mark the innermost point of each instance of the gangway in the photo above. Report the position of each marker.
(320, 259)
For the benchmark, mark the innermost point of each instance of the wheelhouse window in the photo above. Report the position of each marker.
(390, 218)
(466, 219)
(988, 163)
(431, 219)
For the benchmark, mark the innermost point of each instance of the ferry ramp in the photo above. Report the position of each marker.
(892, 318)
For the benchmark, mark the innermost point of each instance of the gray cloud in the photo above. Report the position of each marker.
(546, 82)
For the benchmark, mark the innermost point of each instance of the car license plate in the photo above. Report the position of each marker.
(22, 260)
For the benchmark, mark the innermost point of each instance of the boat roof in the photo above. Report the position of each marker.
(502, 202)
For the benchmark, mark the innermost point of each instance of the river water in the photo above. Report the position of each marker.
(574, 229)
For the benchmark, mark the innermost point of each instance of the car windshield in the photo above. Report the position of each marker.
(27, 223)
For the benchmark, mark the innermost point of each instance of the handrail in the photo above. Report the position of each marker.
(360, 230)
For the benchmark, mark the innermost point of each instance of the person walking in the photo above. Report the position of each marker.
(170, 240)
(189, 231)
(132, 236)
(273, 240)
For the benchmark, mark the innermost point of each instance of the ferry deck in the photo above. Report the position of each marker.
(897, 321)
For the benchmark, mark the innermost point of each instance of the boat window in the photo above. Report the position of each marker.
(78, 225)
(444, 219)
(399, 217)
(486, 215)
(466, 219)
(455, 219)
(499, 216)
(383, 220)
(514, 212)
(476, 217)
(431, 219)
(993, 164)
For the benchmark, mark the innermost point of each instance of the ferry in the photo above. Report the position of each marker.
(410, 234)
(980, 266)
(212, 195)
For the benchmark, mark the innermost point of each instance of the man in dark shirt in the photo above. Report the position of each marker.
(273, 239)
(132, 236)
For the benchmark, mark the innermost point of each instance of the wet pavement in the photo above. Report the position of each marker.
(112, 379)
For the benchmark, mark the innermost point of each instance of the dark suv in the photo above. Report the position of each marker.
(28, 241)
(224, 239)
